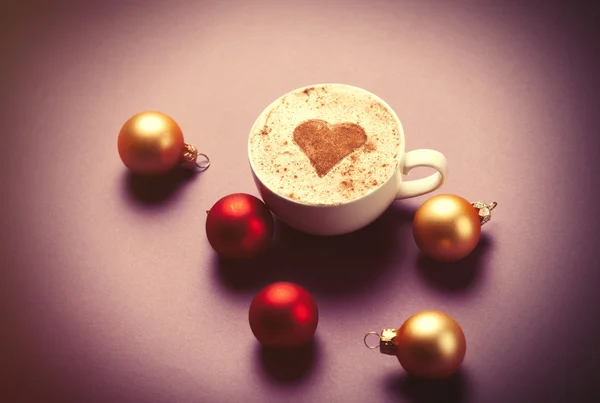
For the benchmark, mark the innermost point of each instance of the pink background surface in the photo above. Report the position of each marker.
(111, 292)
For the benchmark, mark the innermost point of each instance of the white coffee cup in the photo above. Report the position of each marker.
(337, 219)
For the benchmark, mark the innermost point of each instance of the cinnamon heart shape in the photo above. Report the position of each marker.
(326, 145)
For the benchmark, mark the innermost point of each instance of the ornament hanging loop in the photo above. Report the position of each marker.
(189, 158)
(204, 163)
(372, 347)
(484, 210)
(386, 340)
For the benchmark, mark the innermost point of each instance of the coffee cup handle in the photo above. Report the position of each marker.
(421, 158)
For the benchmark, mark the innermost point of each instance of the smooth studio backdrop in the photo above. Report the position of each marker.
(110, 291)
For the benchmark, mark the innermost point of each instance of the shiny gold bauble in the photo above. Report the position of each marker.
(150, 143)
(430, 344)
(446, 228)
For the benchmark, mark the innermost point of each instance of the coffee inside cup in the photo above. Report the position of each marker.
(325, 145)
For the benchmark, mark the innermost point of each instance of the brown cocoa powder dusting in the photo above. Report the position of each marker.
(266, 129)
(347, 172)
(380, 109)
(326, 145)
(285, 143)
(347, 183)
(307, 91)
(353, 157)
(369, 147)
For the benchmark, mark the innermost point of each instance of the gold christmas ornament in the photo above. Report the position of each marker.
(430, 344)
(447, 227)
(151, 143)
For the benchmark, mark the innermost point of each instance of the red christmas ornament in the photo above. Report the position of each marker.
(283, 315)
(239, 226)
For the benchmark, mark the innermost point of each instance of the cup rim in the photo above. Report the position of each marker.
(400, 151)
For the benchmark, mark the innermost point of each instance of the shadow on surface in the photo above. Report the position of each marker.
(290, 365)
(155, 190)
(337, 265)
(453, 389)
(456, 276)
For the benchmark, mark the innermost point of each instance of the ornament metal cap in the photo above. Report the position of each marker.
(189, 158)
(386, 344)
(484, 210)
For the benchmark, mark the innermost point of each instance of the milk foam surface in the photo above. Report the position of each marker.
(286, 170)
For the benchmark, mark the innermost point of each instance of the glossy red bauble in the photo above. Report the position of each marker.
(239, 226)
(283, 315)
